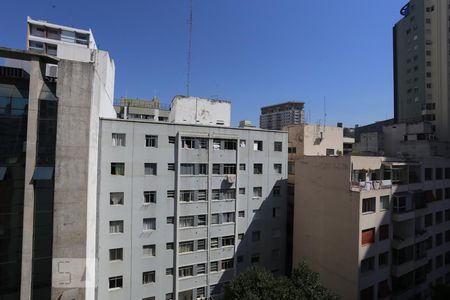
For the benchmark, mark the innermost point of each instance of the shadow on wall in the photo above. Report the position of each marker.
(263, 242)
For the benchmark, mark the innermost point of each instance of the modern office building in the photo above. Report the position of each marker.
(50, 105)
(421, 65)
(275, 117)
(183, 208)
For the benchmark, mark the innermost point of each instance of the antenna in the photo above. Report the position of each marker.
(189, 51)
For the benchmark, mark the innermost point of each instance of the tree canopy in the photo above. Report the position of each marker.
(258, 283)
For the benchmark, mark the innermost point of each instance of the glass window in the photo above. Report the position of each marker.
(214, 219)
(367, 264)
(150, 169)
(115, 282)
(116, 198)
(214, 266)
(150, 197)
(149, 224)
(118, 139)
(201, 244)
(187, 221)
(227, 241)
(277, 168)
(383, 259)
(116, 226)
(148, 250)
(257, 145)
(148, 277)
(241, 191)
(116, 254)
(186, 247)
(151, 141)
(278, 146)
(257, 169)
(276, 190)
(227, 264)
(257, 191)
(201, 220)
(214, 243)
(201, 269)
(117, 168)
(384, 202)
(368, 205)
(241, 167)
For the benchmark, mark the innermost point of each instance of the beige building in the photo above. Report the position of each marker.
(421, 65)
(372, 226)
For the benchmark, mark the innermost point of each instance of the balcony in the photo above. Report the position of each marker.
(370, 185)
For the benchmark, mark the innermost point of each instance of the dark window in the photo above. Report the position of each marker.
(428, 174)
(367, 236)
(115, 282)
(384, 232)
(438, 173)
(278, 146)
(117, 168)
(367, 294)
(428, 220)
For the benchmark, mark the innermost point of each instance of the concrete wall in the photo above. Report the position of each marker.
(326, 222)
(193, 110)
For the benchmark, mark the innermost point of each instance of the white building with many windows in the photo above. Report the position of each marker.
(184, 208)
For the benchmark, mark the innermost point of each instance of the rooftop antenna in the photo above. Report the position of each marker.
(189, 51)
(324, 112)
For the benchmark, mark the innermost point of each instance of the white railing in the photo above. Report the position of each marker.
(370, 185)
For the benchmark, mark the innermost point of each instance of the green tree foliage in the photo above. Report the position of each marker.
(258, 283)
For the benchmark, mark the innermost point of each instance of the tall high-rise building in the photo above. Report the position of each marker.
(275, 117)
(421, 65)
(50, 105)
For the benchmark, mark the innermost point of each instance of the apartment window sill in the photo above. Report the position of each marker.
(114, 289)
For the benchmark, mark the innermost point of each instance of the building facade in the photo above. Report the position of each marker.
(275, 117)
(421, 57)
(184, 208)
(387, 219)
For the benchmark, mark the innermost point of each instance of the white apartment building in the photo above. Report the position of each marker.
(184, 208)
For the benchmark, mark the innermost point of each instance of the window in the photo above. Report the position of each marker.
(241, 191)
(117, 168)
(447, 193)
(366, 293)
(292, 150)
(228, 217)
(428, 220)
(169, 246)
(201, 292)
(172, 140)
(149, 197)
(428, 174)
(438, 217)
(201, 269)
(276, 212)
(169, 271)
(186, 247)
(241, 167)
(118, 139)
(439, 194)
(367, 236)
(240, 236)
(257, 191)
(187, 221)
(256, 236)
(115, 226)
(187, 196)
(368, 205)
(277, 190)
(276, 233)
(151, 141)
(447, 215)
(169, 220)
(229, 169)
(171, 166)
(447, 173)
(169, 296)
(277, 168)
(227, 264)
(367, 264)
(383, 259)
(439, 239)
(201, 220)
(214, 243)
(384, 202)
(228, 194)
(329, 152)
(116, 198)
(242, 143)
(201, 195)
(257, 168)
(291, 168)
(149, 169)
(115, 282)
(438, 173)
(254, 258)
(438, 261)
(216, 169)
(278, 146)
(384, 232)
(149, 224)
(171, 194)
(214, 266)
(115, 254)
(201, 245)
(228, 241)
(258, 146)
(241, 214)
(148, 250)
(148, 277)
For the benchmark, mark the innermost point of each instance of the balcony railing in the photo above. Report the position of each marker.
(370, 185)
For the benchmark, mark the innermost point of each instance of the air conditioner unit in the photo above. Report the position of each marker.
(51, 70)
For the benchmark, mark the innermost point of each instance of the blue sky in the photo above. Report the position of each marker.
(252, 52)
